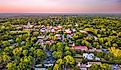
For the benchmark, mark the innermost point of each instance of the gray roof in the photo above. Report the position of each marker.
(40, 69)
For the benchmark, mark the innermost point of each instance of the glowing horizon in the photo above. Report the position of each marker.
(57, 6)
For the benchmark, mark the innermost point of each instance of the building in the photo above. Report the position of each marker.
(82, 31)
(83, 67)
(68, 31)
(58, 36)
(94, 62)
(94, 49)
(40, 37)
(43, 30)
(40, 69)
(82, 48)
(52, 30)
(89, 56)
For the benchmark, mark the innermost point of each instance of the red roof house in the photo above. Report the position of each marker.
(68, 31)
(83, 48)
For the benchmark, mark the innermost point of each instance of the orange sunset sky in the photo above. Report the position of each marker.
(59, 6)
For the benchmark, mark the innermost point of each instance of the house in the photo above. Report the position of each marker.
(50, 27)
(70, 44)
(119, 66)
(89, 56)
(11, 40)
(52, 30)
(46, 37)
(82, 48)
(115, 67)
(40, 37)
(105, 50)
(52, 41)
(40, 69)
(40, 41)
(56, 28)
(69, 36)
(49, 60)
(38, 65)
(29, 25)
(76, 25)
(43, 26)
(95, 37)
(43, 30)
(94, 49)
(48, 65)
(87, 66)
(97, 59)
(15, 44)
(68, 31)
(58, 36)
(82, 31)
(94, 62)
(59, 27)
(83, 67)
(23, 42)
(73, 30)
(48, 42)
(98, 50)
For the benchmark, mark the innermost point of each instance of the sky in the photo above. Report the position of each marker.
(59, 6)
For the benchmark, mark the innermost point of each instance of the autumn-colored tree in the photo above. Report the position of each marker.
(116, 52)
(69, 61)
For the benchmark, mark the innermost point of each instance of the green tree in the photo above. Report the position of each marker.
(25, 63)
(35, 33)
(67, 53)
(18, 40)
(95, 67)
(5, 43)
(25, 52)
(57, 54)
(115, 45)
(66, 48)
(101, 41)
(39, 54)
(11, 66)
(105, 67)
(17, 51)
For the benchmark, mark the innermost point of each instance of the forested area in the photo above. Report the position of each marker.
(50, 41)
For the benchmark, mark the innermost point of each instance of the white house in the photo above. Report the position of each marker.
(40, 69)
(88, 56)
